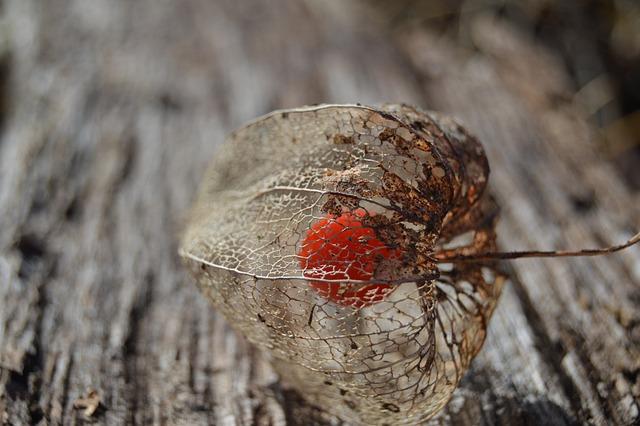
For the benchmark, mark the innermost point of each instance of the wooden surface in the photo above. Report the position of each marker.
(110, 112)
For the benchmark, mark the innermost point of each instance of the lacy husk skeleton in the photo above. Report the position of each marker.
(382, 327)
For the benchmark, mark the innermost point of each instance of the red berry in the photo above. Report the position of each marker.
(343, 248)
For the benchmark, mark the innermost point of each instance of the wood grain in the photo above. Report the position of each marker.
(111, 110)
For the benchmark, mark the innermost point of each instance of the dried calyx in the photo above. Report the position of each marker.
(357, 245)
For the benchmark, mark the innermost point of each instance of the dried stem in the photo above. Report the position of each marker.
(478, 257)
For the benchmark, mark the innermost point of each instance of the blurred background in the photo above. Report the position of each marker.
(110, 111)
(598, 42)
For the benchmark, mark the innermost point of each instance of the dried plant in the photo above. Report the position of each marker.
(357, 246)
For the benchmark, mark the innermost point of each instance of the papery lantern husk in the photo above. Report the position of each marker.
(421, 178)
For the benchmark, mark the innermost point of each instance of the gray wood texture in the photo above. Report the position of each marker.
(109, 113)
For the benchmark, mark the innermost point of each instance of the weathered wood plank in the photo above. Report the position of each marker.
(112, 112)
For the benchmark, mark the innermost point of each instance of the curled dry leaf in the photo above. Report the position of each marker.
(90, 403)
(320, 232)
